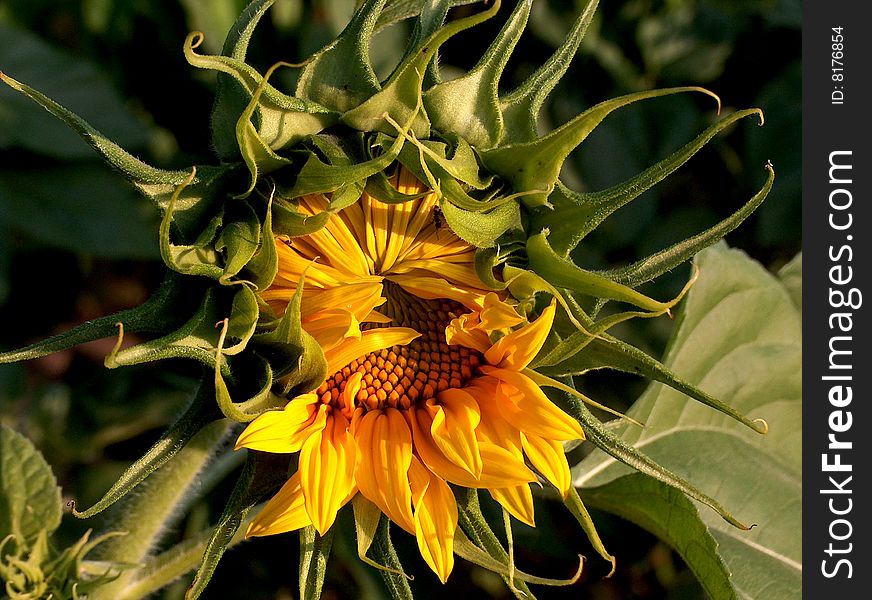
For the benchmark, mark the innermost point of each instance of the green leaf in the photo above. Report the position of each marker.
(74, 83)
(30, 499)
(791, 276)
(668, 514)
(737, 337)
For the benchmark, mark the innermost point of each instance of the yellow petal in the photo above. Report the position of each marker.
(331, 327)
(455, 418)
(518, 500)
(326, 470)
(286, 511)
(516, 350)
(435, 519)
(385, 453)
(465, 331)
(500, 468)
(283, 431)
(371, 340)
(435, 288)
(356, 298)
(525, 405)
(497, 314)
(548, 458)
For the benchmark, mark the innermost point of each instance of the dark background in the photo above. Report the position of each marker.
(76, 242)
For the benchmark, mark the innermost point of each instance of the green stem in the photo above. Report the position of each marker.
(175, 562)
(146, 515)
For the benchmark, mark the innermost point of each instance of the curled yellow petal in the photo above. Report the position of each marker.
(515, 350)
(525, 405)
(370, 341)
(548, 458)
(455, 418)
(500, 468)
(518, 501)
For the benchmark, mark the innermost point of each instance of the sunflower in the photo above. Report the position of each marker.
(418, 395)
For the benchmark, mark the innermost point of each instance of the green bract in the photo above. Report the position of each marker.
(339, 132)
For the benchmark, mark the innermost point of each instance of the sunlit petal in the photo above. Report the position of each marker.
(435, 518)
(455, 418)
(286, 511)
(518, 500)
(516, 350)
(327, 462)
(385, 446)
(526, 406)
(370, 341)
(283, 431)
(548, 458)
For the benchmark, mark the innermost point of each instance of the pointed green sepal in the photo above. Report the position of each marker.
(579, 511)
(574, 215)
(469, 104)
(482, 229)
(247, 410)
(535, 166)
(384, 554)
(609, 443)
(157, 184)
(366, 521)
(196, 339)
(563, 273)
(238, 241)
(609, 352)
(314, 552)
(282, 120)
(231, 98)
(263, 267)
(474, 527)
(657, 264)
(520, 108)
(162, 311)
(400, 97)
(259, 157)
(293, 353)
(340, 76)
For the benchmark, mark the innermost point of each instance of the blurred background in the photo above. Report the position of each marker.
(77, 243)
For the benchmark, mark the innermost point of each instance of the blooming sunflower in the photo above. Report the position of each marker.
(428, 390)
(392, 265)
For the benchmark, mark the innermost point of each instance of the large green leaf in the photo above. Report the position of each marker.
(738, 338)
(30, 499)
